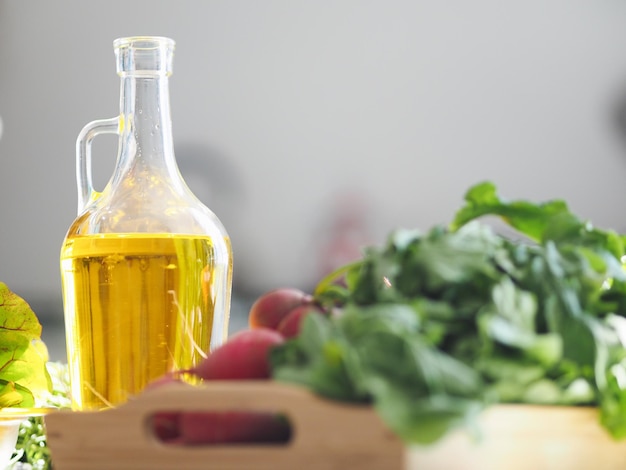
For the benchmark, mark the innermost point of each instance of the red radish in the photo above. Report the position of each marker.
(232, 427)
(289, 327)
(244, 356)
(269, 309)
(166, 379)
(166, 425)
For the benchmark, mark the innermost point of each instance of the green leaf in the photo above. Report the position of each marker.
(578, 392)
(543, 392)
(425, 420)
(13, 395)
(23, 355)
(395, 318)
(317, 358)
(18, 322)
(316, 331)
(30, 369)
(533, 220)
(613, 401)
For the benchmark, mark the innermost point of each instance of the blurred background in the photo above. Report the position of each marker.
(314, 127)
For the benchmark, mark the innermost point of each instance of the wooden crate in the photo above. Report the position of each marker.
(327, 435)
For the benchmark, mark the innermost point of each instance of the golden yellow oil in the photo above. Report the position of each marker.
(138, 306)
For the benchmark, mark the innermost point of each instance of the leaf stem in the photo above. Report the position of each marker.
(334, 275)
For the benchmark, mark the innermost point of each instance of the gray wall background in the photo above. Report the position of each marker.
(281, 105)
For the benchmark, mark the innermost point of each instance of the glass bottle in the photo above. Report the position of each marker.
(146, 267)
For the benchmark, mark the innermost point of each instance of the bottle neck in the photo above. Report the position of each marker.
(146, 137)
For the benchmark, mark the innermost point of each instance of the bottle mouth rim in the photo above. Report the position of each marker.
(144, 42)
(144, 55)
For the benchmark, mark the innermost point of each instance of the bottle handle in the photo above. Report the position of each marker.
(86, 192)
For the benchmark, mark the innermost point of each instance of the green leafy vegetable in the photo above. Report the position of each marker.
(433, 327)
(23, 356)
